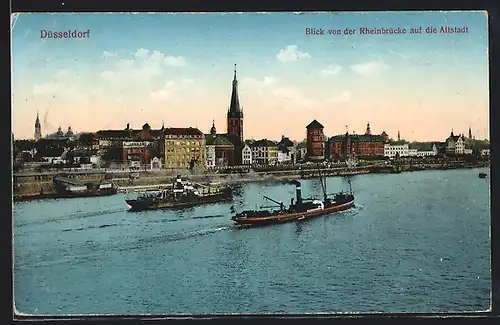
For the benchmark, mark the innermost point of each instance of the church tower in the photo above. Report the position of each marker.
(38, 128)
(470, 134)
(213, 130)
(235, 113)
(368, 130)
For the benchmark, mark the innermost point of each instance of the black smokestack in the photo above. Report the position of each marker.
(298, 191)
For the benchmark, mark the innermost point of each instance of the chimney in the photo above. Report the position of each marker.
(298, 191)
(298, 194)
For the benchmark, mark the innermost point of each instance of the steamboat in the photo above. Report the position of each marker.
(181, 194)
(301, 209)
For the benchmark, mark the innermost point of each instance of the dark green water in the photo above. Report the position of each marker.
(416, 242)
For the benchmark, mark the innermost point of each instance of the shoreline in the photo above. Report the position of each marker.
(144, 183)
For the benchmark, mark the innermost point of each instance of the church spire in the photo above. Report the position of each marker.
(234, 107)
(470, 133)
(38, 127)
(368, 130)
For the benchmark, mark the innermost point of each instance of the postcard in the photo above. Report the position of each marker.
(250, 163)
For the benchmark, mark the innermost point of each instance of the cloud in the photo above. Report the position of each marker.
(369, 68)
(62, 73)
(140, 53)
(176, 91)
(291, 53)
(294, 98)
(109, 76)
(145, 66)
(107, 54)
(332, 69)
(47, 89)
(175, 61)
(343, 97)
(252, 83)
(59, 91)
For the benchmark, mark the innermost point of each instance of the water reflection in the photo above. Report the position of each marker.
(298, 228)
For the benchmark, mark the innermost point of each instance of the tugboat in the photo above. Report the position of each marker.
(482, 175)
(180, 195)
(302, 209)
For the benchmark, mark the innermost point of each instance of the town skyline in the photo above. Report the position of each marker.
(286, 78)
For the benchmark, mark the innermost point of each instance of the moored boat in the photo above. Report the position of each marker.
(482, 175)
(181, 195)
(71, 188)
(301, 209)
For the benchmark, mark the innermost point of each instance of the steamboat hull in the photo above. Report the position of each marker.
(293, 216)
(143, 205)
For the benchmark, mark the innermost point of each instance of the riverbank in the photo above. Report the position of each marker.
(152, 182)
(156, 180)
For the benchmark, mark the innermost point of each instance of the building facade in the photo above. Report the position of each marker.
(430, 151)
(209, 155)
(247, 155)
(111, 143)
(350, 145)
(142, 148)
(223, 150)
(455, 144)
(182, 147)
(264, 153)
(286, 151)
(315, 141)
(396, 150)
(284, 156)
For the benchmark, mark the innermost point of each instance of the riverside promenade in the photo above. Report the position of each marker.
(27, 184)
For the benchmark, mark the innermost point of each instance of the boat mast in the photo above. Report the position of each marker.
(323, 185)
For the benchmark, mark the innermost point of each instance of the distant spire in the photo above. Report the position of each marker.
(399, 136)
(234, 72)
(368, 131)
(470, 133)
(213, 130)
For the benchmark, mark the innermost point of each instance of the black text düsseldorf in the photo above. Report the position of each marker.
(66, 34)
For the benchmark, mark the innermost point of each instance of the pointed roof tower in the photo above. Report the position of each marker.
(234, 107)
(368, 130)
(470, 133)
(213, 130)
(37, 121)
(399, 136)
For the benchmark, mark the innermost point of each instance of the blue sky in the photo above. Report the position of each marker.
(395, 82)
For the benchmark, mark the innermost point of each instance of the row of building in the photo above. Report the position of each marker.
(174, 148)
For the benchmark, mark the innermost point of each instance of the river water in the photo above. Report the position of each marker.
(415, 242)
